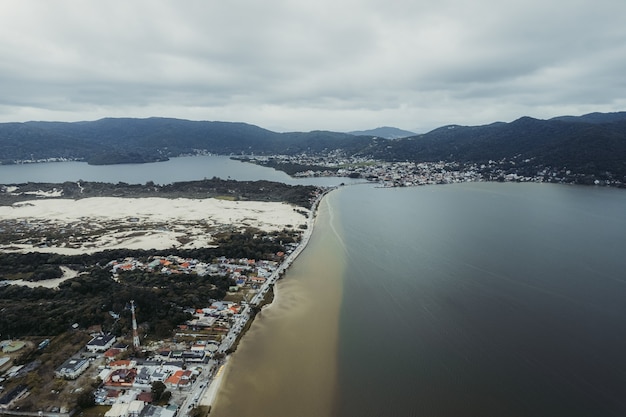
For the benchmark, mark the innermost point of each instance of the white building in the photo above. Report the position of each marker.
(72, 368)
(101, 343)
(132, 409)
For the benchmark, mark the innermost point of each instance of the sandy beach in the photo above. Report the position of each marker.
(100, 223)
(286, 363)
(211, 395)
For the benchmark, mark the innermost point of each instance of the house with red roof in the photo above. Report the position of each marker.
(180, 378)
(110, 354)
(125, 364)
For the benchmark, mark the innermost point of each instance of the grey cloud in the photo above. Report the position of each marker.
(316, 65)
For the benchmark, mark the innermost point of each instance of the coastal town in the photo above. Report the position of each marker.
(179, 371)
(131, 375)
(408, 174)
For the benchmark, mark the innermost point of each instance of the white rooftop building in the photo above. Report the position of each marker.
(101, 343)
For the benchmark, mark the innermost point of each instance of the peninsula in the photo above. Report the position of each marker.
(197, 269)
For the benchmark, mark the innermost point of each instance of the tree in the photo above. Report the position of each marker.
(158, 388)
(86, 399)
(166, 396)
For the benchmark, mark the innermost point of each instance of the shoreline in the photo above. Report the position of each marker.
(211, 395)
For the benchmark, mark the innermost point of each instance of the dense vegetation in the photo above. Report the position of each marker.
(289, 168)
(386, 132)
(300, 195)
(88, 298)
(112, 157)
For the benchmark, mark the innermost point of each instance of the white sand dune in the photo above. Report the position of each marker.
(144, 223)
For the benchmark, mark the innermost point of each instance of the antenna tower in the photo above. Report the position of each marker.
(135, 333)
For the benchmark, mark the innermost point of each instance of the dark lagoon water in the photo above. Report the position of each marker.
(482, 299)
(478, 299)
(175, 170)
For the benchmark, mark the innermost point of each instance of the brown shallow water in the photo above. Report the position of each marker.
(286, 364)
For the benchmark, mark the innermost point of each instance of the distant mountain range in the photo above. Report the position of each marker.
(110, 140)
(590, 144)
(384, 132)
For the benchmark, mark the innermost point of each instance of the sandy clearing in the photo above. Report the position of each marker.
(158, 223)
(48, 283)
(265, 214)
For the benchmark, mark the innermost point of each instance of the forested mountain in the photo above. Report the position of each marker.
(386, 132)
(587, 144)
(108, 141)
(594, 118)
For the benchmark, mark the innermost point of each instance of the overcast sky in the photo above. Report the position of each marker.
(325, 64)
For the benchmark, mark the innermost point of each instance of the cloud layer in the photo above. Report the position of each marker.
(336, 65)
